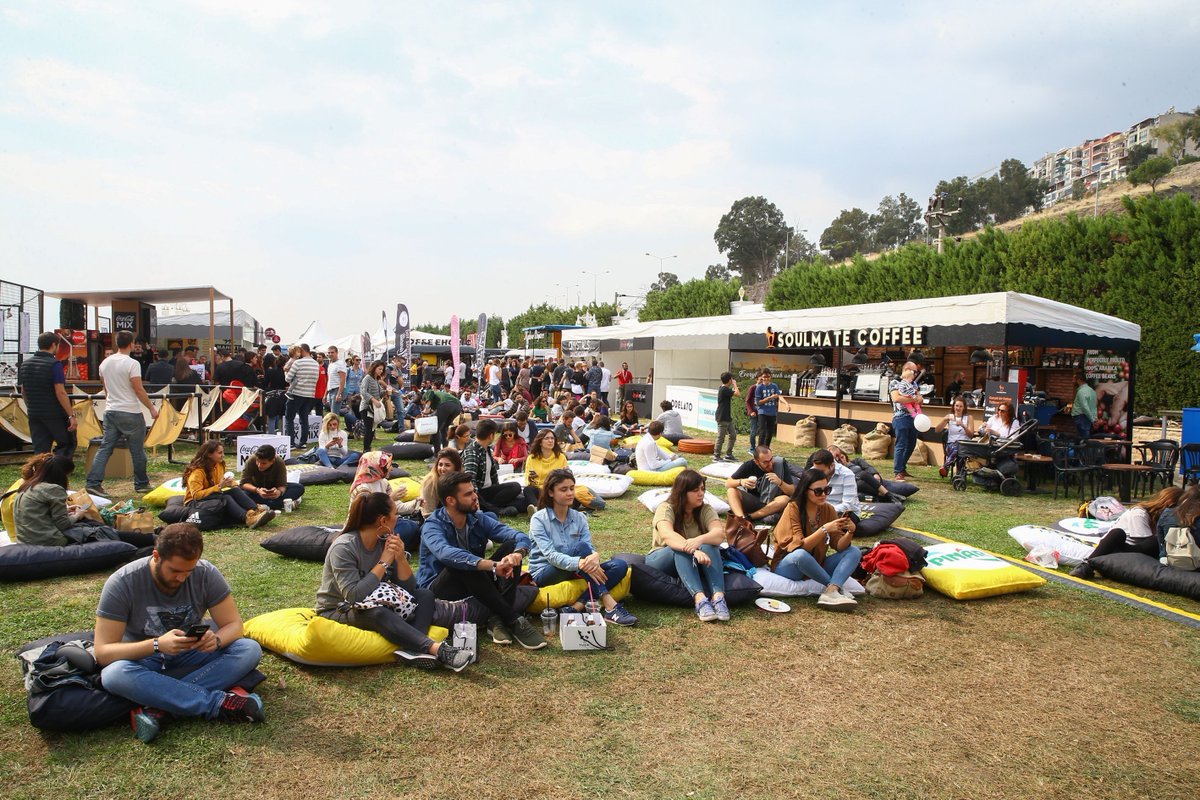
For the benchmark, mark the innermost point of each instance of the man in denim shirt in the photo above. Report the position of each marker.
(904, 393)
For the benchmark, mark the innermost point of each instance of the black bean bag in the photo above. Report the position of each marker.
(207, 514)
(881, 518)
(80, 708)
(1147, 572)
(307, 543)
(348, 471)
(31, 562)
(406, 436)
(317, 475)
(655, 586)
(409, 451)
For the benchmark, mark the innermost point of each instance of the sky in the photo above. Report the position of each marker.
(327, 160)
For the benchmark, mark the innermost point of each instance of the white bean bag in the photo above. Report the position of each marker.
(719, 469)
(1072, 550)
(587, 468)
(778, 586)
(656, 497)
(1092, 530)
(514, 477)
(606, 486)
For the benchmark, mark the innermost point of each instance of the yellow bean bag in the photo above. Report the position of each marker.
(567, 592)
(644, 477)
(413, 486)
(6, 510)
(159, 495)
(966, 573)
(302, 635)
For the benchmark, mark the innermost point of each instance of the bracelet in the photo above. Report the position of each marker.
(154, 642)
(217, 636)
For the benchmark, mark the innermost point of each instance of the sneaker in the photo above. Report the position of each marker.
(296, 503)
(499, 631)
(721, 608)
(147, 722)
(508, 511)
(98, 491)
(256, 519)
(528, 636)
(705, 611)
(832, 600)
(1084, 571)
(846, 594)
(418, 660)
(617, 615)
(717, 459)
(453, 658)
(143, 489)
(530, 510)
(241, 706)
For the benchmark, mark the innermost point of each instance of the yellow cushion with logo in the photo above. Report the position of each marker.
(159, 495)
(413, 488)
(567, 592)
(966, 573)
(304, 636)
(644, 477)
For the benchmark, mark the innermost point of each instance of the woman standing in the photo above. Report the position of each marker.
(510, 448)
(545, 456)
(1134, 531)
(958, 425)
(562, 549)
(42, 515)
(205, 477)
(274, 393)
(371, 408)
(364, 558)
(809, 528)
(687, 535)
(184, 383)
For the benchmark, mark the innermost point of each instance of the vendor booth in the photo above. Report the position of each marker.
(835, 363)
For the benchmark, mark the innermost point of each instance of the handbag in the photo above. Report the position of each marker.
(389, 595)
(83, 501)
(741, 536)
(137, 521)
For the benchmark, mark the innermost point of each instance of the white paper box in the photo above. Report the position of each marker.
(246, 445)
(574, 635)
(464, 638)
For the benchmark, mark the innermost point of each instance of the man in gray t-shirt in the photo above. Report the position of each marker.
(151, 641)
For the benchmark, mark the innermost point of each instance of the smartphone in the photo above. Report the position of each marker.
(196, 631)
(845, 515)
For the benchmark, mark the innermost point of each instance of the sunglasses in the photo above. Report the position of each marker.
(820, 490)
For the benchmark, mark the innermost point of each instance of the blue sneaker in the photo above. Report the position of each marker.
(147, 723)
(617, 615)
(705, 611)
(721, 608)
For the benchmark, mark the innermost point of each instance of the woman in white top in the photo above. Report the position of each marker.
(1003, 422)
(332, 449)
(957, 425)
(1133, 531)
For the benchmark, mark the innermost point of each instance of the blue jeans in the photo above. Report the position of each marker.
(800, 564)
(753, 432)
(672, 464)
(351, 457)
(132, 427)
(301, 406)
(198, 694)
(1083, 426)
(340, 408)
(906, 441)
(614, 572)
(275, 424)
(681, 565)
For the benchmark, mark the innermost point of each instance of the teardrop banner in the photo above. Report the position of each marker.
(454, 354)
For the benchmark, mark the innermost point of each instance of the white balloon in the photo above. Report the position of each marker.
(921, 423)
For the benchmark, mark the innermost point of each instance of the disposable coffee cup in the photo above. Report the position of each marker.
(288, 505)
(752, 481)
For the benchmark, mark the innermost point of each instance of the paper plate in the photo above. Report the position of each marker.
(772, 605)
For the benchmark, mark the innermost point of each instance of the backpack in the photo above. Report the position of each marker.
(1182, 550)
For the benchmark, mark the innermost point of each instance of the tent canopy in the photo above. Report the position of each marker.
(104, 297)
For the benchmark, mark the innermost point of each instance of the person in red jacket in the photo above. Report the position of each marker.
(322, 383)
(623, 377)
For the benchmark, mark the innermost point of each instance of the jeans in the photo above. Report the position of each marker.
(351, 457)
(133, 427)
(237, 503)
(447, 412)
(725, 429)
(753, 432)
(198, 694)
(291, 491)
(800, 564)
(767, 425)
(672, 464)
(1083, 426)
(499, 496)
(301, 406)
(275, 423)
(47, 431)
(906, 441)
(681, 565)
(614, 572)
(498, 594)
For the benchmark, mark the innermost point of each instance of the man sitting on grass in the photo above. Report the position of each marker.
(761, 487)
(650, 456)
(149, 630)
(264, 479)
(453, 541)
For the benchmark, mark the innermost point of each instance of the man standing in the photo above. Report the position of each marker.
(724, 417)
(593, 376)
(624, 377)
(752, 411)
(1083, 408)
(264, 479)
(149, 629)
(761, 487)
(301, 378)
(493, 379)
(605, 381)
(453, 541)
(121, 377)
(44, 388)
(160, 373)
(767, 398)
(336, 388)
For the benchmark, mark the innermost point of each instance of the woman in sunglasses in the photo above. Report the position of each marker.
(511, 448)
(812, 541)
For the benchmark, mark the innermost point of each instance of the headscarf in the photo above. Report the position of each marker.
(372, 473)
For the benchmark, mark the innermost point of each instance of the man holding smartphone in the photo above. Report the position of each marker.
(155, 649)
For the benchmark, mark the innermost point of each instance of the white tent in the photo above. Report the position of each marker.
(314, 335)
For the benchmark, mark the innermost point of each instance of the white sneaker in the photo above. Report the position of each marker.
(832, 600)
(846, 594)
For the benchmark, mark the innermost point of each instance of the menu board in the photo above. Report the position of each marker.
(1108, 372)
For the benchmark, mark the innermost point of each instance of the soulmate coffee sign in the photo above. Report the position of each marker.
(897, 336)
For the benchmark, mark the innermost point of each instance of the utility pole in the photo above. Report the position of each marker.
(937, 216)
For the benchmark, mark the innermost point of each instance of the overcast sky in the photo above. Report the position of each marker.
(328, 160)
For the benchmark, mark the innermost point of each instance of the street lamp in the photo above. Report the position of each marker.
(787, 246)
(661, 259)
(595, 282)
(566, 287)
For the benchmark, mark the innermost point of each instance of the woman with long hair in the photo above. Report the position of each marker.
(687, 535)
(807, 532)
(371, 409)
(274, 393)
(510, 448)
(1135, 530)
(541, 409)
(183, 383)
(205, 478)
(545, 456)
(562, 549)
(958, 426)
(43, 515)
(364, 558)
(628, 424)
(427, 502)
(460, 437)
(333, 447)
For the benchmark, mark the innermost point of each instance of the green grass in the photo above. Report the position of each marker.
(802, 704)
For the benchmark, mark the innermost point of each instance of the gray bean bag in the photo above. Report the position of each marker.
(1147, 572)
(31, 562)
(880, 518)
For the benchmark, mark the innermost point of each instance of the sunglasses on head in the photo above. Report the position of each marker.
(820, 490)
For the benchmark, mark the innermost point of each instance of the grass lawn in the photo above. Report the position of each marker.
(1053, 692)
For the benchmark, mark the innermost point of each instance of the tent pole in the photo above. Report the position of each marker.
(232, 344)
(212, 331)
(837, 386)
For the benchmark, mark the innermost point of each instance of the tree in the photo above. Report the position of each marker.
(1011, 191)
(1078, 189)
(897, 221)
(849, 233)
(799, 248)
(696, 298)
(753, 234)
(665, 281)
(1174, 136)
(546, 314)
(1138, 154)
(717, 272)
(1151, 172)
(973, 205)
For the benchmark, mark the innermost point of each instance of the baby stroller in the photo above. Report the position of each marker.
(982, 460)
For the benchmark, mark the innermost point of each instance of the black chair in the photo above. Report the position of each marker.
(1162, 456)
(1068, 467)
(1093, 455)
(1191, 461)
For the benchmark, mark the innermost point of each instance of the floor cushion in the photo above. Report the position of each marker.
(587, 468)
(720, 469)
(567, 592)
(159, 495)
(656, 497)
(409, 451)
(1072, 550)
(643, 477)
(411, 485)
(207, 514)
(307, 542)
(875, 518)
(316, 475)
(31, 562)
(303, 636)
(696, 446)
(654, 585)
(774, 585)
(405, 437)
(966, 573)
(606, 486)
(1147, 572)
(6, 510)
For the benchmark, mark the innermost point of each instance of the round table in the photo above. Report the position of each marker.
(1034, 463)
(1125, 473)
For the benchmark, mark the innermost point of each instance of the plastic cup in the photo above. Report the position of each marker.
(549, 621)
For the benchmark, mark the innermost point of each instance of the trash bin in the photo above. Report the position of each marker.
(120, 463)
